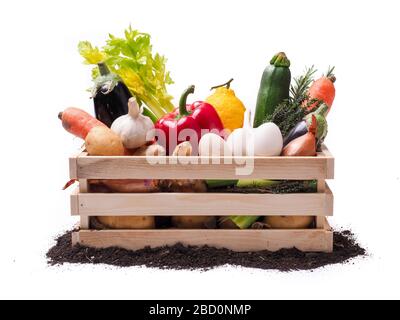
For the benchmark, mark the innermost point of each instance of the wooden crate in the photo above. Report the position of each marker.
(320, 204)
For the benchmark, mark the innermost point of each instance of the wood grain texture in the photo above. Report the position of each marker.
(84, 220)
(129, 167)
(222, 204)
(329, 229)
(330, 162)
(74, 202)
(237, 240)
(330, 200)
(327, 226)
(321, 188)
(75, 238)
(73, 172)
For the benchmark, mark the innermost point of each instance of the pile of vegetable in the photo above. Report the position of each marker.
(134, 116)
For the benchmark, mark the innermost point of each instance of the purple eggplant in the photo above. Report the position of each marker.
(110, 96)
(299, 130)
(302, 127)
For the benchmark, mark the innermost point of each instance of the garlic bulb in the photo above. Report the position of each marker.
(212, 144)
(134, 129)
(265, 141)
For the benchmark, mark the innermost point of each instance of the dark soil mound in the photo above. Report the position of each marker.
(204, 258)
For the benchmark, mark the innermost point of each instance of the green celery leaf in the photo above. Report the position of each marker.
(143, 72)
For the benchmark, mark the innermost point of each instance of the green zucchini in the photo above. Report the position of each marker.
(274, 88)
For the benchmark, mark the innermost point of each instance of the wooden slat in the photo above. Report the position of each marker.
(84, 220)
(222, 204)
(74, 202)
(321, 188)
(73, 172)
(330, 199)
(83, 186)
(139, 168)
(330, 242)
(302, 168)
(330, 162)
(327, 226)
(237, 240)
(321, 221)
(75, 238)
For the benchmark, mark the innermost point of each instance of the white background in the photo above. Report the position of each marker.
(206, 42)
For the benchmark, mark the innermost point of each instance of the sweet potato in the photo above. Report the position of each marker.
(78, 122)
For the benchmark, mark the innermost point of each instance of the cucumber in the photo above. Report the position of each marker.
(274, 88)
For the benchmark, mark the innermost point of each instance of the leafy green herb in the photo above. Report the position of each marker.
(92, 55)
(292, 111)
(269, 186)
(298, 91)
(286, 116)
(143, 72)
(330, 74)
(295, 186)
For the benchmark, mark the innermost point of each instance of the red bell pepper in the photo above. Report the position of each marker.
(196, 117)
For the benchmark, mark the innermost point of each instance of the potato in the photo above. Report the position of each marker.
(101, 141)
(194, 222)
(289, 222)
(128, 222)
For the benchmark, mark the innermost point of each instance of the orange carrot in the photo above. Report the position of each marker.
(78, 122)
(323, 89)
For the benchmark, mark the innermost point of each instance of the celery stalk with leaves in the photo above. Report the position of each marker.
(132, 59)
